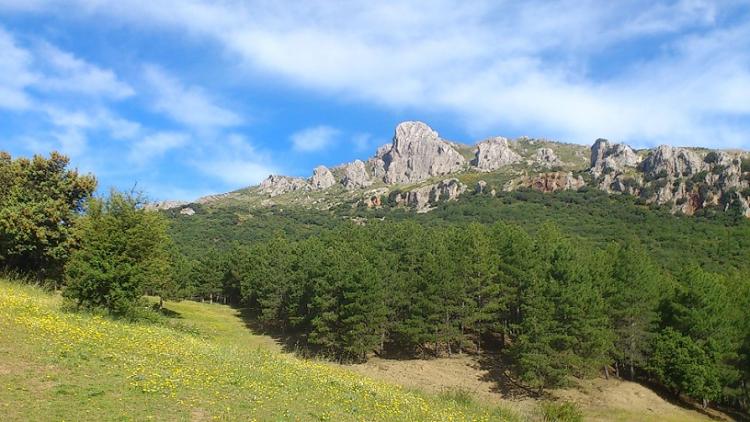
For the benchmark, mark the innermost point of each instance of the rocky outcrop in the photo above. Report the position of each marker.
(322, 178)
(423, 198)
(164, 205)
(417, 153)
(187, 211)
(493, 153)
(275, 185)
(611, 158)
(377, 164)
(372, 199)
(355, 175)
(546, 157)
(481, 187)
(668, 161)
(548, 182)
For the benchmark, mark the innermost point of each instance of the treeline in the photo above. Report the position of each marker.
(554, 307)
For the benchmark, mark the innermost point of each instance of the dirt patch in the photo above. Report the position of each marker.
(600, 399)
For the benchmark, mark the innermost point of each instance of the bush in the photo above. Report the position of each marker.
(560, 412)
(124, 251)
(40, 199)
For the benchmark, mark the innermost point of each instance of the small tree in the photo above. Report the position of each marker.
(124, 251)
(40, 198)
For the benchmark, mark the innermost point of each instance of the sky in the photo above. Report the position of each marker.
(184, 98)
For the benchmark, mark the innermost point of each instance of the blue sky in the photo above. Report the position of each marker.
(190, 97)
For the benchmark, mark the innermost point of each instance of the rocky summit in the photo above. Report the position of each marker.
(419, 169)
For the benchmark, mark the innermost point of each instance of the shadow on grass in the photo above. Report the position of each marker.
(715, 413)
(290, 342)
(498, 373)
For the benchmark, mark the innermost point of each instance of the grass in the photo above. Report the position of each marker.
(63, 366)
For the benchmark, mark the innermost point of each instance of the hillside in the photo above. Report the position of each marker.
(56, 365)
(205, 364)
(419, 169)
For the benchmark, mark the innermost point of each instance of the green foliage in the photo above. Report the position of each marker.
(123, 252)
(632, 300)
(40, 198)
(560, 412)
(682, 365)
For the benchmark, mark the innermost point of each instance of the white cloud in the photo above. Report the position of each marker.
(71, 74)
(236, 162)
(529, 65)
(362, 142)
(314, 139)
(156, 145)
(189, 105)
(15, 74)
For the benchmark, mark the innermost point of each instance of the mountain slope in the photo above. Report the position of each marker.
(57, 365)
(419, 169)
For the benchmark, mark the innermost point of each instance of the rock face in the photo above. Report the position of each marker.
(164, 205)
(426, 196)
(687, 179)
(355, 175)
(481, 187)
(608, 158)
(275, 185)
(322, 178)
(545, 157)
(548, 182)
(417, 153)
(493, 153)
(674, 162)
(187, 211)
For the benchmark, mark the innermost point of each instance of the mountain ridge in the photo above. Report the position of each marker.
(418, 169)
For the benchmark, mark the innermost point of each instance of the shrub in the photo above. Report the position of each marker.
(560, 412)
(124, 250)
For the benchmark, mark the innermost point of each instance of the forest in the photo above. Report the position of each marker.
(557, 286)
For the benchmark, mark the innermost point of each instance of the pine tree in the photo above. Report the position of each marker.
(632, 301)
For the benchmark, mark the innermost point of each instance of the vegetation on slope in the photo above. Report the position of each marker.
(58, 365)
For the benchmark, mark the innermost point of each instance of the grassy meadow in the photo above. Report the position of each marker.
(203, 364)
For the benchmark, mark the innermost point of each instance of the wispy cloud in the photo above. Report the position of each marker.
(189, 105)
(15, 74)
(156, 145)
(235, 161)
(68, 73)
(537, 65)
(314, 139)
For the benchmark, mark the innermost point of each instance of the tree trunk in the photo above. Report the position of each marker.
(606, 372)
(632, 371)
(617, 369)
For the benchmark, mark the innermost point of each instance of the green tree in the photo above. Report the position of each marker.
(704, 310)
(563, 329)
(347, 305)
(124, 251)
(40, 199)
(682, 365)
(632, 300)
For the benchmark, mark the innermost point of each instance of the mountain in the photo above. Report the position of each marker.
(419, 169)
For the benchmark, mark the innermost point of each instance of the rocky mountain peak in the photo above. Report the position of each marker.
(417, 153)
(673, 161)
(606, 157)
(275, 185)
(355, 175)
(493, 153)
(322, 178)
